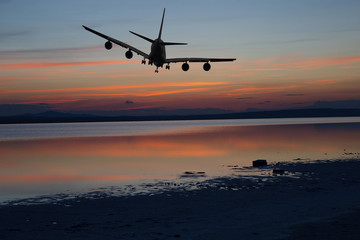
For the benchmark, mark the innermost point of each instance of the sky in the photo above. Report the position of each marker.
(290, 54)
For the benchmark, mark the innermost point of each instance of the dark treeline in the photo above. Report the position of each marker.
(59, 117)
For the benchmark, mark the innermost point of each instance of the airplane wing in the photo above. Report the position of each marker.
(122, 44)
(175, 60)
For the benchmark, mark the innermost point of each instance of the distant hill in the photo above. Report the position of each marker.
(59, 117)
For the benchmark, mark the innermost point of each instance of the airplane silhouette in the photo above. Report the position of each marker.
(157, 55)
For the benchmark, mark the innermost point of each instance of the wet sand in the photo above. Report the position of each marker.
(307, 202)
(346, 227)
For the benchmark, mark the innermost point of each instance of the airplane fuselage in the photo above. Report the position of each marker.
(157, 55)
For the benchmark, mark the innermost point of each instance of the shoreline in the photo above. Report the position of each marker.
(261, 207)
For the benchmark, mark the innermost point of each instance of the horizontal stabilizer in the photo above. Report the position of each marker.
(143, 37)
(173, 43)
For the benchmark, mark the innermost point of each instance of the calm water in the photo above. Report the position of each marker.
(38, 159)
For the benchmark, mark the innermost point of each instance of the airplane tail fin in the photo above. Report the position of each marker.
(162, 22)
(143, 37)
(150, 40)
(160, 32)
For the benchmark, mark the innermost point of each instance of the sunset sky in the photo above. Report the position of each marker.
(289, 54)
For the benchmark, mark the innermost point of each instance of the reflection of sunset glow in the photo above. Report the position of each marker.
(80, 164)
(165, 146)
(117, 158)
(48, 178)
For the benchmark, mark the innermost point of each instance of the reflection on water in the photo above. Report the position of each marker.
(50, 165)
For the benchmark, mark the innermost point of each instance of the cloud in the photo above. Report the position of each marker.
(321, 82)
(111, 89)
(167, 92)
(54, 101)
(282, 42)
(294, 94)
(264, 102)
(111, 97)
(22, 52)
(244, 98)
(297, 61)
(263, 69)
(337, 104)
(16, 66)
(347, 30)
(12, 34)
(258, 90)
(311, 63)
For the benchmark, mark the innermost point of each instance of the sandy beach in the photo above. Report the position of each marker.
(317, 200)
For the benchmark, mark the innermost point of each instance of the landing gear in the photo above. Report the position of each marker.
(167, 67)
(156, 70)
(143, 62)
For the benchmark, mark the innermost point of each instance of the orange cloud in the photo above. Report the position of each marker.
(11, 79)
(113, 97)
(109, 88)
(16, 66)
(158, 93)
(52, 101)
(279, 63)
(321, 82)
(7, 79)
(320, 62)
(260, 89)
(263, 69)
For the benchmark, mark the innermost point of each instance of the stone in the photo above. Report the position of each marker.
(259, 163)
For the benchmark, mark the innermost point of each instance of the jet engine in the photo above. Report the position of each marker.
(108, 45)
(207, 66)
(185, 67)
(129, 54)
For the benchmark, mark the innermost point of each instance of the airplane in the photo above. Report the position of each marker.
(157, 55)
